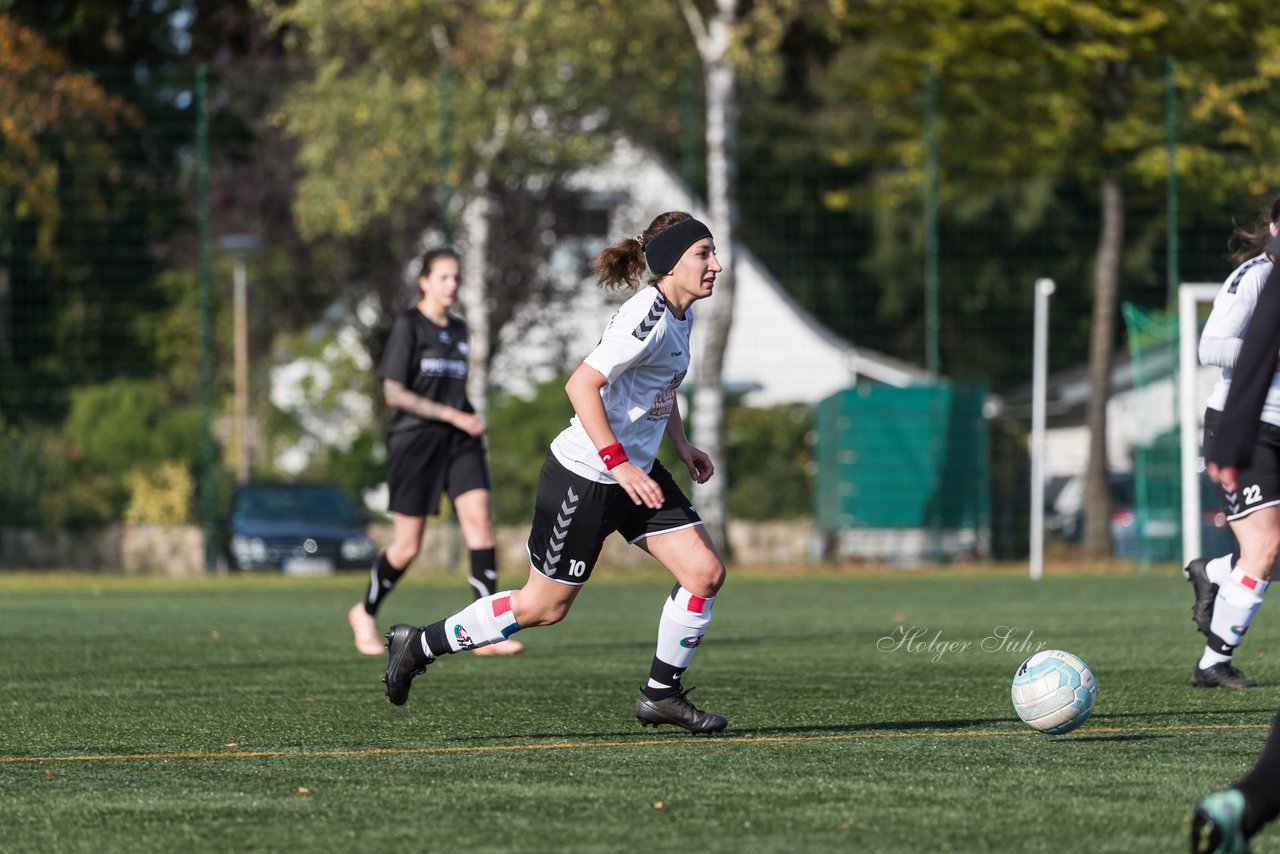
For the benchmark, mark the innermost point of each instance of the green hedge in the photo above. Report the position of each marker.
(769, 466)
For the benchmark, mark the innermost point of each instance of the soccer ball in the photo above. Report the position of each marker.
(1053, 691)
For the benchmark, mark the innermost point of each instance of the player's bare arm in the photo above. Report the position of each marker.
(583, 389)
(695, 459)
(401, 398)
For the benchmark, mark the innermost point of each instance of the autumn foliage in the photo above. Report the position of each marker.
(49, 114)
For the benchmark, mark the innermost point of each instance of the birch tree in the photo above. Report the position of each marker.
(732, 39)
(712, 36)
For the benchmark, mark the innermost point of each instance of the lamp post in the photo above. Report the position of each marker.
(240, 247)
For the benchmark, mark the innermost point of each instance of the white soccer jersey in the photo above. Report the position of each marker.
(1223, 332)
(644, 353)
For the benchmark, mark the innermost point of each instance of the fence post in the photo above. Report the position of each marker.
(206, 320)
(1171, 134)
(1039, 374)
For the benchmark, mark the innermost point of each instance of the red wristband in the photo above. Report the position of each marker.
(613, 455)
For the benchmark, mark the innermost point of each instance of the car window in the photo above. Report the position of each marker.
(312, 503)
(324, 504)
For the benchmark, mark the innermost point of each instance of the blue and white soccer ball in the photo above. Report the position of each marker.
(1053, 691)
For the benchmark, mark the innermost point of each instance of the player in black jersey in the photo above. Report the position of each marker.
(602, 476)
(435, 444)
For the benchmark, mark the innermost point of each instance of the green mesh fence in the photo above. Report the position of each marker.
(1155, 515)
(1147, 519)
(113, 310)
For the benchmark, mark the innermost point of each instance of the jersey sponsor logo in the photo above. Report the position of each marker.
(456, 368)
(666, 399)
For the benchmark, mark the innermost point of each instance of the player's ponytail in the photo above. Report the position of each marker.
(1246, 243)
(622, 264)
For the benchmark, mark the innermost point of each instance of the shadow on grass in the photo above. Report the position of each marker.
(1111, 738)
(888, 727)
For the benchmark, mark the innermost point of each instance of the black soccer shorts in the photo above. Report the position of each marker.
(1257, 484)
(573, 515)
(433, 460)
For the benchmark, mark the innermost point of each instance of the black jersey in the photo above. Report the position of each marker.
(428, 360)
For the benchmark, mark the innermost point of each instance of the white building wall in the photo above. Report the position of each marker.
(1134, 418)
(775, 347)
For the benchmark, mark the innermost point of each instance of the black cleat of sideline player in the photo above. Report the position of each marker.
(678, 711)
(1206, 592)
(400, 667)
(1221, 675)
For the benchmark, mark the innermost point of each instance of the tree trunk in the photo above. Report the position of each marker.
(1106, 276)
(6, 326)
(715, 316)
(474, 246)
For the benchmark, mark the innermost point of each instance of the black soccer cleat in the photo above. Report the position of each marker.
(1221, 675)
(1206, 592)
(400, 667)
(678, 711)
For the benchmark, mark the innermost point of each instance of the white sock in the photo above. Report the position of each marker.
(481, 623)
(1239, 597)
(684, 620)
(1219, 569)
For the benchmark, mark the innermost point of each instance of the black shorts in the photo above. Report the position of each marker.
(1257, 484)
(429, 461)
(574, 515)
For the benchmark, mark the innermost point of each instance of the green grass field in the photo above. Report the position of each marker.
(232, 714)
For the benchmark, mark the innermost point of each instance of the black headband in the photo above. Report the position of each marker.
(664, 251)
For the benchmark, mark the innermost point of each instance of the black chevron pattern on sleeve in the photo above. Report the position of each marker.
(1235, 283)
(651, 319)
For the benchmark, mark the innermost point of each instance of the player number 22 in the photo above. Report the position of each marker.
(1252, 494)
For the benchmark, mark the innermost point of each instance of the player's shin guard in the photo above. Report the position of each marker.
(382, 577)
(685, 618)
(481, 623)
(1238, 601)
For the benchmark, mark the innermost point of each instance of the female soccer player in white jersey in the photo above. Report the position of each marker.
(602, 475)
(1224, 822)
(1229, 588)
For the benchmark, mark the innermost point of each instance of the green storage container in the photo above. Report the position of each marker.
(911, 458)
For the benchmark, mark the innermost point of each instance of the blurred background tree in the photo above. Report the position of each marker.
(348, 133)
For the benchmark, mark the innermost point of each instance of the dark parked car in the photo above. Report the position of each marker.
(298, 529)
(1157, 537)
